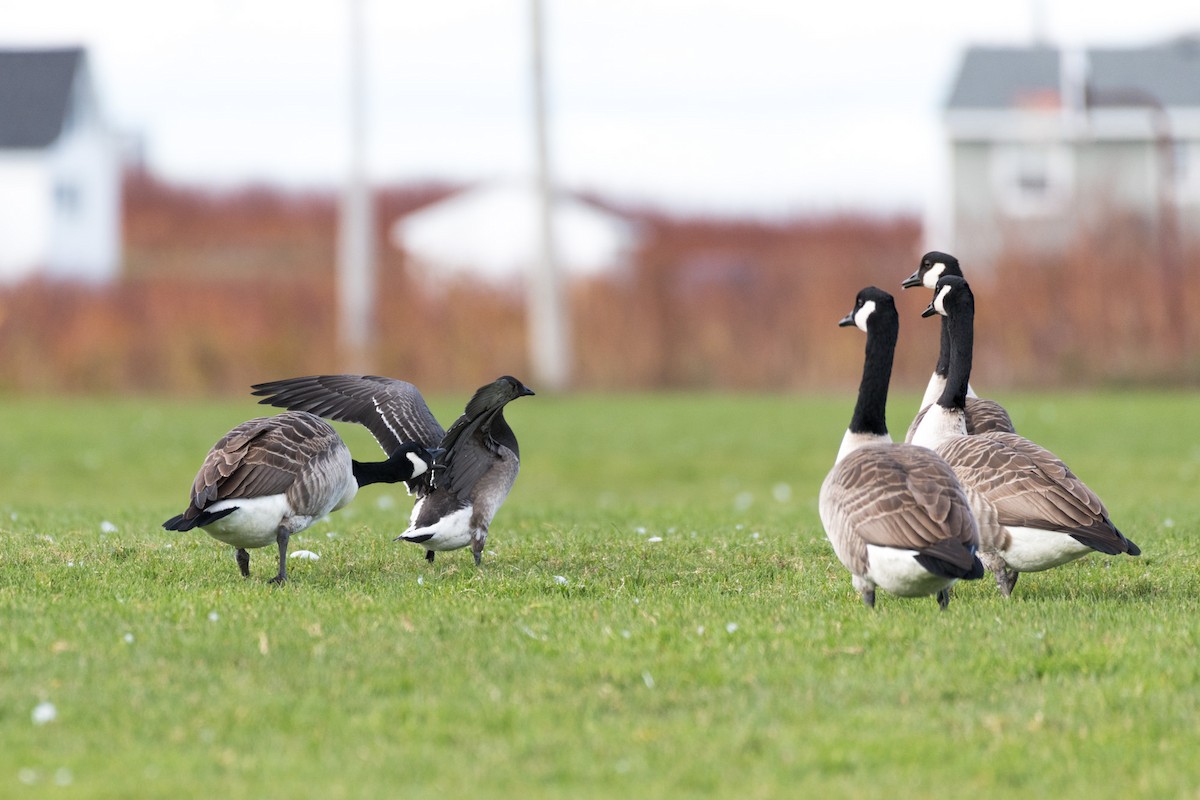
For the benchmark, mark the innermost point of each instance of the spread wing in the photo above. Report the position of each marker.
(392, 410)
(470, 451)
(898, 496)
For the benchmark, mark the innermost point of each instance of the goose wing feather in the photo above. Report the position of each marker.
(264, 456)
(394, 411)
(899, 496)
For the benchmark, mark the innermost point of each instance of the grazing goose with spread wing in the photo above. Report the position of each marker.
(472, 475)
(272, 477)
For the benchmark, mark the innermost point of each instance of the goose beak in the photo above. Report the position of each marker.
(846, 321)
(912, 281)
(929, 312)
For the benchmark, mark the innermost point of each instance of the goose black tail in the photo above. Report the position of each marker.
(179, 523)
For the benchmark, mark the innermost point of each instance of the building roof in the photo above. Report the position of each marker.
(1010, 77)
(35, 91)
(491, 232)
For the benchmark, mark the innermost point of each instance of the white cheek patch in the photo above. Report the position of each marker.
(931, 277)
(939, 301)
(419, 465)
(863, 314)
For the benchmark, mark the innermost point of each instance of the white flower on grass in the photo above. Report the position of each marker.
(331, 535)
(560, 580)
(742, 501)
(44, 712)
(63, 776)
(385, 502)
(107, 527)
(213, 616)
(307, 555)
(1168, 523)
(654, 539)
(781, 492)
(731, 627)
(128, 638)
(640, 529)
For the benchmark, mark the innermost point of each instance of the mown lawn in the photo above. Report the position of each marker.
(658, 615)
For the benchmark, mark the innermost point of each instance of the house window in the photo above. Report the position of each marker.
(66, 199)
(1185, 169)
(1032, 180)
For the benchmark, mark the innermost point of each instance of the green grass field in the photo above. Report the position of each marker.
(658, 615)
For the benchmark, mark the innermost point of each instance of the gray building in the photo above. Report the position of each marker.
(1047, 144)
(60, 170)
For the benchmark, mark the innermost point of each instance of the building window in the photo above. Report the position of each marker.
(1033, 179)
(1185, 169)
(66, 199)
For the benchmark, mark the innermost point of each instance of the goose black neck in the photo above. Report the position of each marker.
(942, 368)
(870, 411)
(396, 469)
(961, 328)
(503, 433)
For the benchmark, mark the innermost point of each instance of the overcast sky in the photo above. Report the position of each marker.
(743, 106)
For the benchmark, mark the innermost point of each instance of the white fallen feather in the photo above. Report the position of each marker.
(560, 580)
(307, 555)
(44, 712)
(731, 627)
(654, 539)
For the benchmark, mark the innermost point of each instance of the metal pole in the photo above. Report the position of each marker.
(549, 323)
(356, 269)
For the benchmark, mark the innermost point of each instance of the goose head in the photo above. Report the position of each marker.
(934, 265)
(951, 294)
(870, 304)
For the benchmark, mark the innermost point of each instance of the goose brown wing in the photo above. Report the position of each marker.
(262, 457)
(983, 416)
(1028, 485)
(394, 411)
(987, 416)
(906, 497)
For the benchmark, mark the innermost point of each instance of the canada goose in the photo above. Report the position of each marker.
(1033, 512)
(457, 499)
(982, 415)
(271, 477)
(894, 513)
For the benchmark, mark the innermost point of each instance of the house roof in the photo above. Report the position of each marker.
(35, 90)
(490, 231)
(1009, 77)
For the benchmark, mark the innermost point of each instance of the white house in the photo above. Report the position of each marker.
(60, 172)
(490, 233)
(1047, 143)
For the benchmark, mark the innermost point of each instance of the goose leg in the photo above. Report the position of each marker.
(429, 556)
(281, 537)
(943, 598)
(477, 546)
(243, 562)
(1006, 578)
